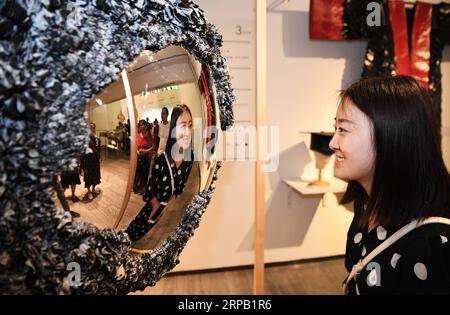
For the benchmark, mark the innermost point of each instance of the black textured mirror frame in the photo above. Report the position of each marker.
(54, 57)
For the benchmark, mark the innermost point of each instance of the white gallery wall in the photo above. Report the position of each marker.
(304, 78)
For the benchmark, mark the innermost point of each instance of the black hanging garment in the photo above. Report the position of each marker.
(90, 163)
(407, 41)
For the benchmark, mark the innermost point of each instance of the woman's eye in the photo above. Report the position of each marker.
(339, 129)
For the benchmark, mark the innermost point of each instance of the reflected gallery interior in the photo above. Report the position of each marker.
(143, 169)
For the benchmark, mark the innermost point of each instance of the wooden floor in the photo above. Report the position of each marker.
(320, 277)
(104, 209)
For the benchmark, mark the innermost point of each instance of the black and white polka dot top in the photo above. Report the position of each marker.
(159, 184)
(418, 263)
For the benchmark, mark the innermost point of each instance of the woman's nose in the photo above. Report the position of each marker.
(334, 144)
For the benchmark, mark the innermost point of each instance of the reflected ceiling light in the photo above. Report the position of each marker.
(99, 101)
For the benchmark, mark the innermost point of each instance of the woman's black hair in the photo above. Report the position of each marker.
(144, 122)
(177, 111)
(410, 178)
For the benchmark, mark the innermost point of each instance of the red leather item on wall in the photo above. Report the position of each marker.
(327, 23)
(326, 19)
(399, 25)
(420, 54)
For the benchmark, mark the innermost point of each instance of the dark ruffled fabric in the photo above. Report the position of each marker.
(54, 56)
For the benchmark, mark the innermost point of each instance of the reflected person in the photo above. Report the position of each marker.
(71, 178)
(90, 164)
(163, 130)
(145, 146)
(155, 126)
(169, 174)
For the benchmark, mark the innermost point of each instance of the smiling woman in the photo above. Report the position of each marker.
(169, 175)
(353, 145)
(387, 148)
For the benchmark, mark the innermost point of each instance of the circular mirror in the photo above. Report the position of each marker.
(70, 81)
(152, 136)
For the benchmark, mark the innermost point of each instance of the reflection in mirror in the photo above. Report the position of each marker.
(210, 136)
(175, 107)
(151, 149)
(94, 190)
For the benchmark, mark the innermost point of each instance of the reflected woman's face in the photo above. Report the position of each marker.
(141, 128)
(184, 130)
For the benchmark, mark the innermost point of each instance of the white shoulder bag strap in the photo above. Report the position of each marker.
(391, 240)
(155, 217)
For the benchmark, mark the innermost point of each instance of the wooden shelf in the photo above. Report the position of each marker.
(303, 187)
